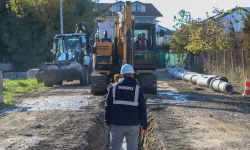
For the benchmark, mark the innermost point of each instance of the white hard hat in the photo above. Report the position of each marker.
(127, 68)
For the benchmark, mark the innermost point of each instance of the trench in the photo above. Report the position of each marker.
(151, 141)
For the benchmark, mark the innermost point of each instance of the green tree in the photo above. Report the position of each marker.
(180, 38)
(246, 32)
(27, 32)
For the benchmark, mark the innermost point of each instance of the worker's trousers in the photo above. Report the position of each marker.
(117, 134)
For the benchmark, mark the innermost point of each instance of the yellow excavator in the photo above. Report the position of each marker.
(108, 56)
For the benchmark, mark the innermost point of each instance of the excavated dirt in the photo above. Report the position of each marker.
(66, 117)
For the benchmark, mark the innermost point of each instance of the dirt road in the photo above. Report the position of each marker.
(197, 118)
(69, 117)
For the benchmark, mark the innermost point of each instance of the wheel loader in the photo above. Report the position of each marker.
(72, 59)
(108, 57)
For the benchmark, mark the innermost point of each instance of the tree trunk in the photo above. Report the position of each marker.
(243, 61)
(217, 62)
(232, 64)
(209, 62)
(224, 61)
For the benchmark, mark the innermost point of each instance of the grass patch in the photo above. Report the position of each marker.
(12, 88)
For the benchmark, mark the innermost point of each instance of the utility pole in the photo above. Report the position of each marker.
(61, 15)
(113, 21)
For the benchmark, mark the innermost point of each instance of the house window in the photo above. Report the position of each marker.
(136, 8)
(119, 7)
(111, 24)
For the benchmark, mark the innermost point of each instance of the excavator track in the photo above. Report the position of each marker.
(98, 83)
(148, 82)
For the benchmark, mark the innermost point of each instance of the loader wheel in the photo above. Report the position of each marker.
(85, 80)
(59, 83)
(48, 84)
(98, 83)
(148, 82)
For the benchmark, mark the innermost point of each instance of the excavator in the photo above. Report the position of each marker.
(108, 57)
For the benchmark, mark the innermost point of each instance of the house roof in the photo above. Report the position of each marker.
(150, 9)
(218, 16)
(166, 30)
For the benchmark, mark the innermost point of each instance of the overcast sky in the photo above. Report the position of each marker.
(198, 8)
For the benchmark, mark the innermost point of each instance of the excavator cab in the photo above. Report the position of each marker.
(144, 58)
(103, 54)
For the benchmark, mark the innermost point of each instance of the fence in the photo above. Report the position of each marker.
(234, 64)
(165, 59)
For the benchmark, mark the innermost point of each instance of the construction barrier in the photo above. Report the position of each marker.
(247, 86)
(1, 87)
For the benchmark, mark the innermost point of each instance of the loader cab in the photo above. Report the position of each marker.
(70, 47)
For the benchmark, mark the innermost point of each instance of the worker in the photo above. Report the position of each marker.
(138, 41)
(125, 111)
(106, 39)
(143, 43)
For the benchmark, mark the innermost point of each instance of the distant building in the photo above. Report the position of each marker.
(234, 15)
(142, 12)
(167, 35)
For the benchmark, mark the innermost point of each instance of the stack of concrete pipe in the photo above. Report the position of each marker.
(217, 83)
(176, 72)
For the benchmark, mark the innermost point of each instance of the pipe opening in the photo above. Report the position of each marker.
(229, 88)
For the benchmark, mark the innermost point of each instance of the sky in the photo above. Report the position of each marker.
(198, 8)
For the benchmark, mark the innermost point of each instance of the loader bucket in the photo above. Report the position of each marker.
(54, 72)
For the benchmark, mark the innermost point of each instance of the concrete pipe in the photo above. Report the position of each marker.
(221, 86)
(225, 79)
(187, 76)
(194, 78)
(178, 75)
(172, 72)
(180, 69)
(204, 81)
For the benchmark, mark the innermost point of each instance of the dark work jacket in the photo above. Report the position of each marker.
(124, 112)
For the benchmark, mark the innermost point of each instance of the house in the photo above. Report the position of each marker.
(142, 12)
(167, 35)
(235, 16)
